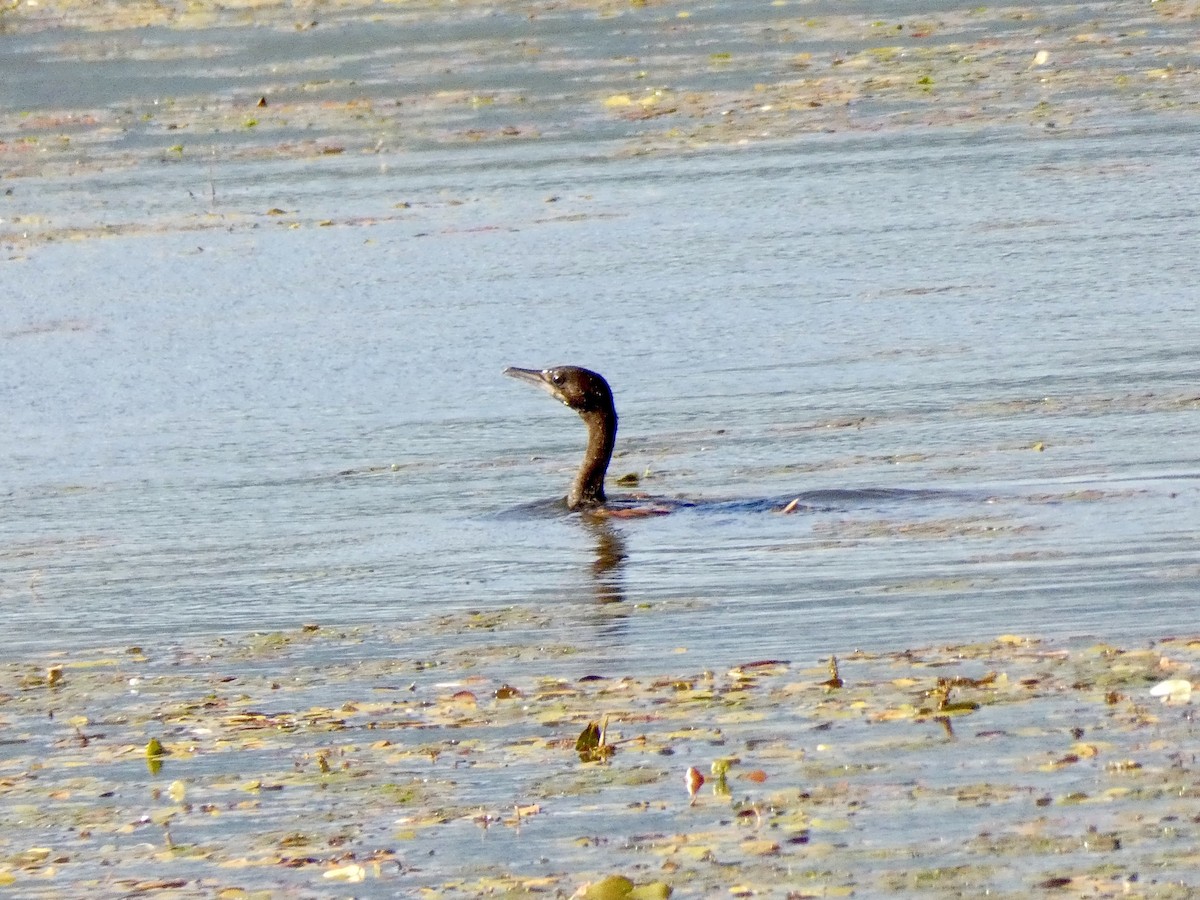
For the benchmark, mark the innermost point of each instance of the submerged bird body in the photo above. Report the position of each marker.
(588, 394)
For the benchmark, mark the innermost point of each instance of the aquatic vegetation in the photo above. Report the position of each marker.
(685, 82)
(260, 764)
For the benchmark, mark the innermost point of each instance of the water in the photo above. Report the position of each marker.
(934, 278)
(842, 312)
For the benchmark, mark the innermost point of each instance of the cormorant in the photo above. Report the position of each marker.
(588, 394)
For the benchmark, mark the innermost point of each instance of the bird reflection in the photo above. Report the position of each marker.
(608, 582)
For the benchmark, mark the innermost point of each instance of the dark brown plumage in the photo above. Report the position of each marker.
(588, 394)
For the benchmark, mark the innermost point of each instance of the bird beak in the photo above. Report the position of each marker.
(536, 377)
(529, 376)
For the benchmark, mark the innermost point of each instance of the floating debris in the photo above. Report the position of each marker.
(290, 770)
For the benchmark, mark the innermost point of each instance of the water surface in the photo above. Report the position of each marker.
(1003, 319)
(264, 273)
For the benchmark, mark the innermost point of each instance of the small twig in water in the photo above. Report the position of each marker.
(212, 184)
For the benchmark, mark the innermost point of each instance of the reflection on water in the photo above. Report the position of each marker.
(610, 556)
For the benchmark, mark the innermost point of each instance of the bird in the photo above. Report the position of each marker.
(588, 394)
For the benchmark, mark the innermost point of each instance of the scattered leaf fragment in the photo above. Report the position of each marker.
(835, 679)
(591, 745)
(759, 666)
(1124, 765)
(694, 781)
(618, 887)
(611, 887)
(760, 847)
(720, 767)
(34, 856)
(653, 890)
(1054, 883)
(1173, 691)
(351, 873)
(1014, 640)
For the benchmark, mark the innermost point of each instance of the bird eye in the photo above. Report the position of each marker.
(557, 377)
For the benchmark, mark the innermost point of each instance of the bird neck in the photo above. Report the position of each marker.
(588, 488)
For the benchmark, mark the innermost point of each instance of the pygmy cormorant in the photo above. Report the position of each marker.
(588, 394)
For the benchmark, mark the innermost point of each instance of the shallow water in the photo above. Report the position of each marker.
(845, 312)
(934, 278)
